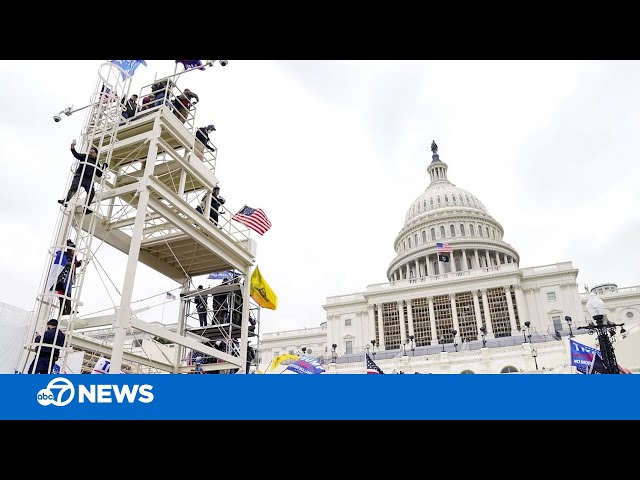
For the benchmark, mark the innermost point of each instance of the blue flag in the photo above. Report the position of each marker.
(306, 364)
(224, 275)
(582, 356)
(191, 64)
(128, 66)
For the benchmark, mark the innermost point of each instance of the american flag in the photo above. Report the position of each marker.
(371, 365)
(254, 218)
(443, 247)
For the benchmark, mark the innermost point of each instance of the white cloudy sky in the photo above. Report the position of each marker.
(335, 152)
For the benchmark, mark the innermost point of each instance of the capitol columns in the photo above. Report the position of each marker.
(432, 322)
(380, 328)
(530, 301)
(475, 251)
(487, 315)
(454, 312)
(410, 316)
(476, 308)
(521, 302)
(512, 313)
(464, 260)
(403, 332)
(372, 324)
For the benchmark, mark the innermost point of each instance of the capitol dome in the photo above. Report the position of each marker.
(445, 213)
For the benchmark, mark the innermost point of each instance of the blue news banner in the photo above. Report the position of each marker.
(319, 397)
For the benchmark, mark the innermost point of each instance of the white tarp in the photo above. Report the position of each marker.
(14, 324)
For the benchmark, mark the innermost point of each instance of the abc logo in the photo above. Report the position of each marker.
(59, 392)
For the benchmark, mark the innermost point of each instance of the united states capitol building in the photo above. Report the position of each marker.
(479, 312)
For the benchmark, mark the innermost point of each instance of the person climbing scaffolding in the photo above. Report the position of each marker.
(83, 176)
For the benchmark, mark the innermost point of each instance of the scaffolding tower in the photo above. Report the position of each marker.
(152, 180)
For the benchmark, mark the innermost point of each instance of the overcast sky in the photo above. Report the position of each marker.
(335, 152)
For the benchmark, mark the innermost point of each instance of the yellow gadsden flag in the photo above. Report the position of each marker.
(261, 291)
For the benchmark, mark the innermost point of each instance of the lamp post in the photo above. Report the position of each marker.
(413, 345)
(304, 350)
(441, 338)
(534, 354)
(404, 347)
(595, 307)
(527, 324)
(373, 342)
(483, 329)
(334, 355)
(455, 345)
(568, 320)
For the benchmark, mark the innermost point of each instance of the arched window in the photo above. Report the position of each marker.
(436, 268)
(453, 197)
(509, 369)
(431, 201)
(442, 235)
(480, 230)
(415, 239)
(471, 232)
(439, 202)
(433, 234)
(487, 231)
(404, 247)
(469, 263)
(446, 198)
(424, 204)
(409, 241)
(453, 230)
(462, 229)
(458, 262)
(494, 232)
(424, 236)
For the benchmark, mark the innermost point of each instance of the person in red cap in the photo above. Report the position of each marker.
(46, 356)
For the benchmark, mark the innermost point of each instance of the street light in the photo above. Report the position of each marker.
(304, 350)
(334, 355)
(442, 342)
(373, 342)
(595, 306)
(413, 345)
(527, 324)
(534, 354)
(483, 329)
(568, 320)
(404, 347)
(455, 345)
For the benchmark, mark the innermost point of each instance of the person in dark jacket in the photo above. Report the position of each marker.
(183, 103)
(216, 202)
(201, 307)
(203, 140)
(45, 358)
(84, 174)
(66, 278)
(130, 106)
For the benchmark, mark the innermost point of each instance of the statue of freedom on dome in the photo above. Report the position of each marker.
(434, 147)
